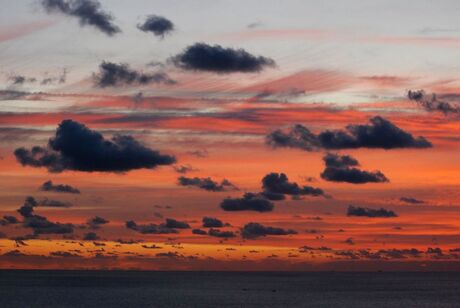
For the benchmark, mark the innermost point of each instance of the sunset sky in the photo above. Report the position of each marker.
(230, 135)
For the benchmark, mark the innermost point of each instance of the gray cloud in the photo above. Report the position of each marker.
(88, 12)
(158, 25)
(217, 59)
(379, 133)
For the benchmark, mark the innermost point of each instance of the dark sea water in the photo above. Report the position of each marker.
(224, 289)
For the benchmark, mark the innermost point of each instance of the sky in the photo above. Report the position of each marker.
(229, 135)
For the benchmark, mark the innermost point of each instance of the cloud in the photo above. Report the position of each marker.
(97, 221)
(175, 224)
(8, 220)
(199, 232)
(158, 25)
(276, 185)
(90, 236)
(199, 153)
(76, 147)
(113, 74)
(254, 230)
(219, 233)
(183, 169)
(217, 59)
(20, 79)
(53, 203)
(249, 202)
(206, 183)
(431, 102)
(88, 12)
(411, 200)
(149, 228)
(341, 169)
(211, 222)
(367, 212)
(379, 133)
(61, 188)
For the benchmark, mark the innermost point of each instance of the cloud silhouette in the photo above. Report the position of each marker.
(431, 102)
(76, 147)
(113, 74)
(158, 25)
(254, 230)
(60, 188)
(88, 12)
(367, 212)
(379, 133)
(206, 183)
(217, 59)
(343, 169)
(249, 202)
(276, 185)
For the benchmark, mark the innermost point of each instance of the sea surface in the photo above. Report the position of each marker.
(227, 289)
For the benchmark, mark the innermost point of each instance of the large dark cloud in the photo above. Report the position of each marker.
(88, 12)
(211, 222)
(61, 188)
(75, 147)
(113, 74)
(276, 185)
(149, 228)
(206, 183)
(217, 59)
(254, 230)
(367, 212)
(158, 25)
(343, 169)
(40, 224)
(379, 133)
(431, 102)
(249, 202)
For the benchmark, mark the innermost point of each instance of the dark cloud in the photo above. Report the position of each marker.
(340, 169)
(199, 232)
(158, 25)
(175, 224)
(149, 228)
(62, 188)
(276, 185)
(53, 203)
(254, 230)
(249, 202)
(97, 221)
(206, 183)
(75, 147)
(217, 59)
(431, 102)
(367, 212)
(90, 236)
(411, 200)
(8, 220)
(219, 233)
(40, 224)
(211, 222)
(88, 12)
(113, 74)
(379, 133)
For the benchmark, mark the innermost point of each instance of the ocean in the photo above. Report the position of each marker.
(228, 289)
